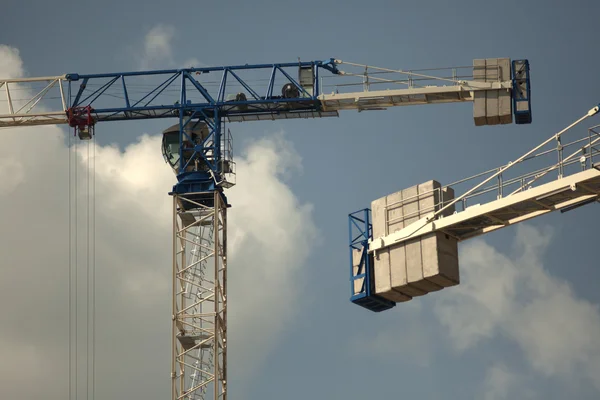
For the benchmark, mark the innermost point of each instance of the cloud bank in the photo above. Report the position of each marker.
(517, 299)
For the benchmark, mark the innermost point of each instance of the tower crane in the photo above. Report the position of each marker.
(198, 147)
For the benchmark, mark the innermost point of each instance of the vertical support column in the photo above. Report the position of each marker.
(174, 329)
(220, 288)
(199, 298)
(223, 212)
(361, 264)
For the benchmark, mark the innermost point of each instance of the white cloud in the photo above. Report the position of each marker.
(11, 173)
(11, 65)
(158, 50)
(516, 298)
(271, 237)
(158, 46)
(473, 309)
(272, 234)
(500, 384)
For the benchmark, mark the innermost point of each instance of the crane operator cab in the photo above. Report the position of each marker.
(199, 134)
(197, 131)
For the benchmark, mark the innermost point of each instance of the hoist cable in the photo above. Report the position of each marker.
(76, 267)
(87, 253)
(70, 147)
(94, 270)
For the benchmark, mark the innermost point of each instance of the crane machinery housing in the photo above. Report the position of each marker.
(199, 150)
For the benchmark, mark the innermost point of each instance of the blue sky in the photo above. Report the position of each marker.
(324, 346)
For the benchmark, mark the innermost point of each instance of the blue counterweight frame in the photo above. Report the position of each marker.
(181, 93)
(360, 231)
(521, 92)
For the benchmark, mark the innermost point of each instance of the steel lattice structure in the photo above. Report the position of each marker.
(199, 299)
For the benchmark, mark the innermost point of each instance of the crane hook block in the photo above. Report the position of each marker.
(80, 118)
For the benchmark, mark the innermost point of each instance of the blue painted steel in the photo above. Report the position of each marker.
(245, 85)
(143, 109)
(360, 231)
(199, 185)
(125, 92)
(79, 92)
(293, 81)
(328, 65)
(200, 88)
(521, 91)
(191, 100)
(271, 83)
(316, 85)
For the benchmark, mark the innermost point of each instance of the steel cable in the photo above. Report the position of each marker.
(70, 147)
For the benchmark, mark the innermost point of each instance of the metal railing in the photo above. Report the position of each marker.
(369, 77)
(507, 183)
(577, 155)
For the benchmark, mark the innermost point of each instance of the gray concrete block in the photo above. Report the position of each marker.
(492, 72)
(479, 109)
(400, 297)
(381, 272)
(447, 197)
(479, 101)
(492, 107)
(381, 263)
(430, 261)
(505, 107)
(419, 266)
(504, 96)
(378, 217)
(397, 296)
(479, 69)
(440, 259)
(395, 212)
(504, 64)
(448, 258)
(410, 203)
(398, 273)
(429, 197)
(412, 248)
(415, 261)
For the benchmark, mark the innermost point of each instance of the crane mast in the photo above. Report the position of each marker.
(198, 148)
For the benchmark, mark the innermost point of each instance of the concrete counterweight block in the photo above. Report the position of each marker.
(421, 265)
(381, 266)
(492, 107)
